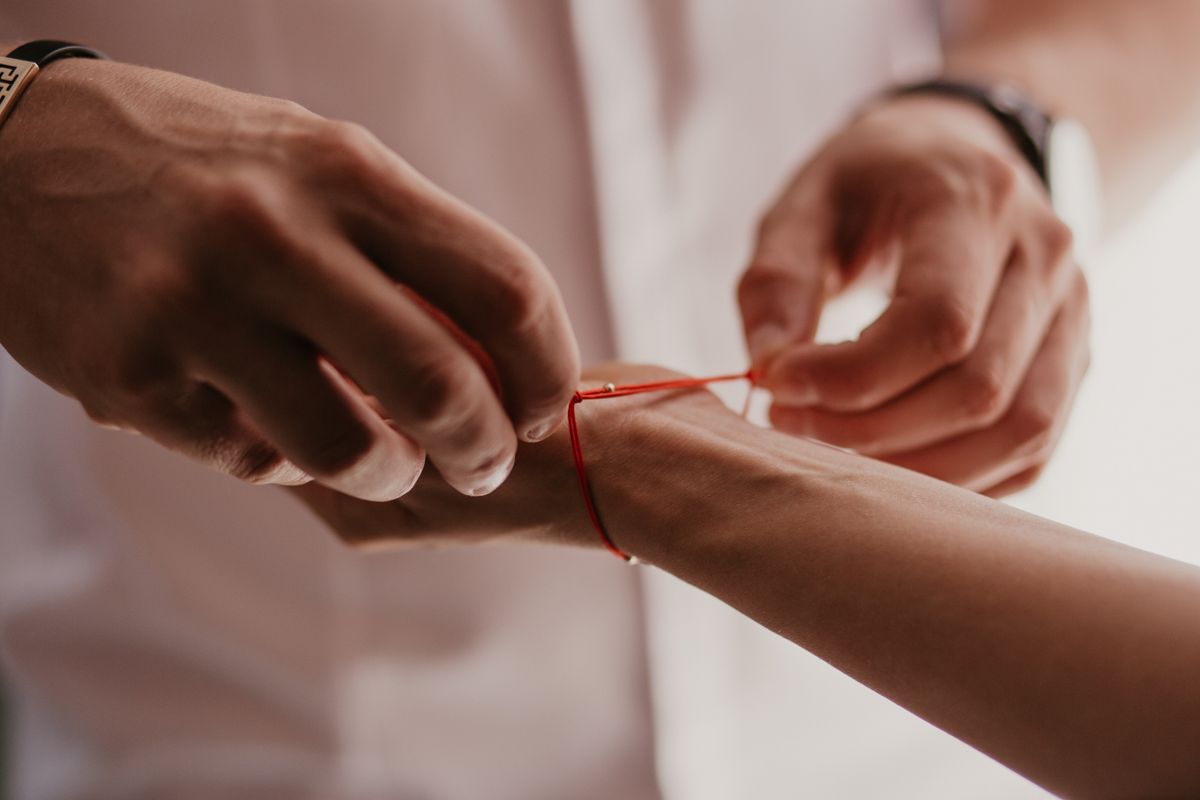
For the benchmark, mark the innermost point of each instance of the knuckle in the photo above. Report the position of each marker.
(950, 328)
(982, 394)
(938, 185)
(136, 368)
(181, 179)
(344, 147)
(1029, 477)
(1057, 238)
(1032, 430)
(1002, 178)
(976, 180)
(439, 396)
(256, 237)
(160, 296)
(547, 403)
(519, 293)
(256, 462)
(245, 204)
(759, 278)
(929, 194)
(345, 136)
(100, 413)
(290, 110)
(228, 214)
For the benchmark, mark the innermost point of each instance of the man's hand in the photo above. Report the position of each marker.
(650, 457)
(256, 286)
(970, 372)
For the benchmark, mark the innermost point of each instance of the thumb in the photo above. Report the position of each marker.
(782, 291)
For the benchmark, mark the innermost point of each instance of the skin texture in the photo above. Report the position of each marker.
(1070, 658)
(970, 373)
(250, 284)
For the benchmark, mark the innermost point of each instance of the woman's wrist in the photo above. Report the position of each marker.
(677, 479)
(674, 478)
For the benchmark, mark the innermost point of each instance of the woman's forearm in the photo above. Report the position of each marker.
(1072, 659)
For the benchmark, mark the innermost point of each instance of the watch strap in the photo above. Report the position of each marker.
(44, 51)
(19, 67)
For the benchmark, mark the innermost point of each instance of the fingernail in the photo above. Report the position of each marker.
(494, 479)
(406, 481)
(766, 340)
(541, 431)
(386, 474)
(291, 475)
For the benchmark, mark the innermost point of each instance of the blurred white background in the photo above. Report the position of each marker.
(1127, 468)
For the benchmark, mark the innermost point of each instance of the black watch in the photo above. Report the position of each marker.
(20, 67)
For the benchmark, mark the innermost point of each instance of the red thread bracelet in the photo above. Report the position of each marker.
(608, 390)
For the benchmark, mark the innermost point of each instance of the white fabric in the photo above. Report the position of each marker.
(172, 633)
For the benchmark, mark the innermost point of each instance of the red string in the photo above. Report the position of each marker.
(610, 391)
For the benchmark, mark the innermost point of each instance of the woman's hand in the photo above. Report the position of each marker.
(220, 272)
(971, 371)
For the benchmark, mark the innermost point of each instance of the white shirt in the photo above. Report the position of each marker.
(171, 633)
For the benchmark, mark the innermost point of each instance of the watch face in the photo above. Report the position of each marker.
(1073, 176)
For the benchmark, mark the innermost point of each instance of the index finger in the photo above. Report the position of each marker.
(782, 290)
(949, 269)
(486, 281)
